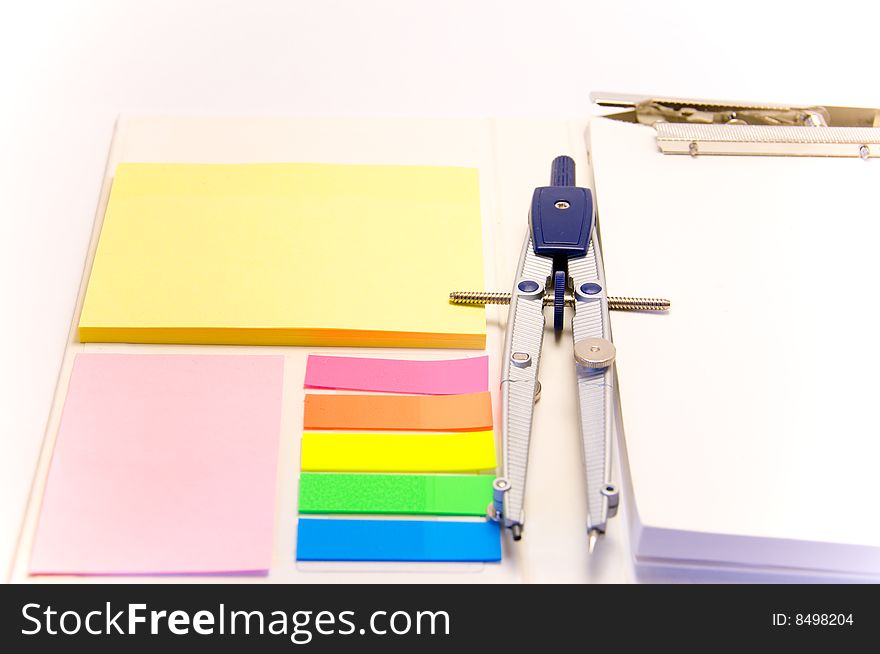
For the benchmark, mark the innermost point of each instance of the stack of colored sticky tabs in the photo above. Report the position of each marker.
(411, 457)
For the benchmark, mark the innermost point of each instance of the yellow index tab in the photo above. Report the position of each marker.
(287, 254)
(378, 452)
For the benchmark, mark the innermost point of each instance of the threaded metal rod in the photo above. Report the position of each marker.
(614, 303)
(478, 297)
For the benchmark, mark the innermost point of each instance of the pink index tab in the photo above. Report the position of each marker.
(445, 377)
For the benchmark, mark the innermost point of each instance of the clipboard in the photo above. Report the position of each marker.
(749, 411)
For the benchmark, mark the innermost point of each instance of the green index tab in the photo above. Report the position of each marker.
(330, 492)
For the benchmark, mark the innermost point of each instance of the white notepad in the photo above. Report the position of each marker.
(750, 411)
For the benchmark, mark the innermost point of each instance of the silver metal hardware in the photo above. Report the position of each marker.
(613, 494)
(499, 487)
(709, 127)
(526, 288)
(594, 353)
(615, 303)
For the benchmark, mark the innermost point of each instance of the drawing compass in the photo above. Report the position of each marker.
(560, 266)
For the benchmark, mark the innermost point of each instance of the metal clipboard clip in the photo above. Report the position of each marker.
(712, 127)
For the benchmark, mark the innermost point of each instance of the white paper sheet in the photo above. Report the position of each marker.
(749, 410)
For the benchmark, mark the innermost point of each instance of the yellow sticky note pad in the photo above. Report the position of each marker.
(287, 254)
(472, 451)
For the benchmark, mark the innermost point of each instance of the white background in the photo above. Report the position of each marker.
(68, 69)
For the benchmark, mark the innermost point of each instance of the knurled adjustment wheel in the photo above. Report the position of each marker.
(558, 299)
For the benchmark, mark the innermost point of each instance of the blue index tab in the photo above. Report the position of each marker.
(397, 540)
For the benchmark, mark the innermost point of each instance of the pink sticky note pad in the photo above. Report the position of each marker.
(163, 464)
(447, 377)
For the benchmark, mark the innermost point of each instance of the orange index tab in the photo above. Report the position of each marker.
(467, 412)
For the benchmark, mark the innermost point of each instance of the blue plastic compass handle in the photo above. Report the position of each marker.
(562, 171)
(561, 219)
(562, 214)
